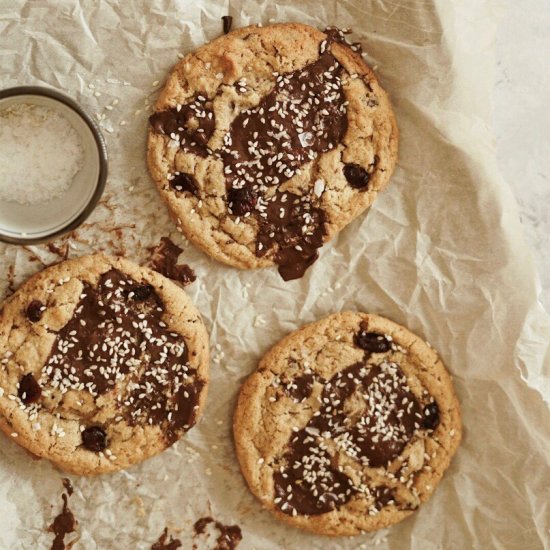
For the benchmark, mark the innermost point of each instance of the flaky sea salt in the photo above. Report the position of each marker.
(40, 154)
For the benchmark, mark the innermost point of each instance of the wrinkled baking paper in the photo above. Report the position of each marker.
(441, 251)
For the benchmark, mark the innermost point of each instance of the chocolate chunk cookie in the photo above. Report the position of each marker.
(268, 141)
(102, 364)
(347, 425)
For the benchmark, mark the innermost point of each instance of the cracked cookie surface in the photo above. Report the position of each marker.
(347, 425)
(103, 364)
(268, 141)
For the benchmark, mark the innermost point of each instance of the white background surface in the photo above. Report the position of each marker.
(522, 120)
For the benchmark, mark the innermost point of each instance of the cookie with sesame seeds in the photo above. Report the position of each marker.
(103, 364)
(347, 425)
(268, 141)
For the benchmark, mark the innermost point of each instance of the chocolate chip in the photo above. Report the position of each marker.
(383, 496)
(94, 439)
(227, 22)
(35, 310)
(141, 293)
(372, 342)
(184, 182)
(29, 390)
(357, 176)
(241, 201)
(431, 416)
(300, 388)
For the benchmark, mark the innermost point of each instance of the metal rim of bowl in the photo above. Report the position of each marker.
(103, 160)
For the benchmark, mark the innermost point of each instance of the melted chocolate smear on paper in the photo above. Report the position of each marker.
(227, 22)
(164, 544)
(165, 260)
(64, 524)
(229, 535)
(304, 116)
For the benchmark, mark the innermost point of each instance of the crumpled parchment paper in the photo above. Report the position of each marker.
(440, 251)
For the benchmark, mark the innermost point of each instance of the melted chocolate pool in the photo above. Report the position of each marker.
(117, 333)
(304, 116)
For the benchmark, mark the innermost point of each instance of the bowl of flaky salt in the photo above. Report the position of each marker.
(53, 165)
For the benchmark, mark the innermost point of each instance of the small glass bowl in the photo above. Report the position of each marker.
(36, 223)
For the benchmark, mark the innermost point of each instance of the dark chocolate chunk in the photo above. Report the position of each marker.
(29, 390)
(227, 22)
(68, 486)
(141, 293)
(166, 543)
(34, 311)
(372, 342)
(201, 524)
(357, 176)
(383, 496)
(241, 201)
(94, 438)
(165, 260)
(431, 417)
(184, 182)
(300, 388)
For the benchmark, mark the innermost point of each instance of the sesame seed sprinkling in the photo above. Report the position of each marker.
(308, 480)
(116, 333)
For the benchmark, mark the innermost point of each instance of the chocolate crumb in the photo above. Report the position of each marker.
(94, 438)
(227, 22)
(165, 260)
(10, 276)
(64, 524)
(29, 390)
(164, 544)
(35, 310)
(68, 485)
(61, 251)
(230, 535)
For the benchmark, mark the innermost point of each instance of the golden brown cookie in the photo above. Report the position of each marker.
(268, 141)
(102, 364)
(347, 425)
